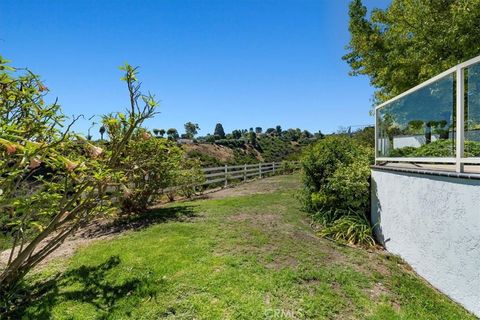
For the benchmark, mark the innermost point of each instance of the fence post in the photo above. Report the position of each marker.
(226, 175)
(273, 168)
(244, 172)
(260, 170)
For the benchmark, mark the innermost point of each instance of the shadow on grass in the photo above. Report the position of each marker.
(86, 284)
(143, 220)
(89, 284)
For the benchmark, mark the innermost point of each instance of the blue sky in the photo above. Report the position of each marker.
(241, 63)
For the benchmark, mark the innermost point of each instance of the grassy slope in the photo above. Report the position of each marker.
(250, 257)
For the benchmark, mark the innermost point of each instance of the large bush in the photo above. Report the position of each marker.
(188, 178)
(51, 181)
(365, 136)
(150, 165)
(336, 177)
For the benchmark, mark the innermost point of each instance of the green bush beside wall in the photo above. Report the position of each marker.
(336, 175)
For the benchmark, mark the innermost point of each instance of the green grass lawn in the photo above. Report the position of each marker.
(248, 257)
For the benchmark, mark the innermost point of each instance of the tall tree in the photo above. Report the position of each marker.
(172, 134)
(252, 138)
(236, 134)
(191, 129)
(258, 130)
(270, 131)
(102, 132)
(219, 131)
(319, 134)
(89, 136)
(279, 130)
(307, 134)
(411, 41)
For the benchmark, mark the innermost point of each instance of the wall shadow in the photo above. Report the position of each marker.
(376, 213)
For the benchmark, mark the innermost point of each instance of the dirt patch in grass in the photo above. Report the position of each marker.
(281, 242)
(283, 262)
(80, 239)
(284, 245)
(260, 186)
(103, 229)
(267, 220)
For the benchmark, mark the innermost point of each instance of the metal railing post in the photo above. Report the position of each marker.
(376, 136)
(226, 175)
(460, 110)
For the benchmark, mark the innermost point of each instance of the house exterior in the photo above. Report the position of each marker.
(426, 181)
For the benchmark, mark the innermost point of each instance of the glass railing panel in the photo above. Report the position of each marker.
(420, 124)
(472, 111)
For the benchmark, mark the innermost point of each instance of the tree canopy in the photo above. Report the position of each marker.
(411, 41)
(191, 129)
(219, 131)
(172, 134)
(236, 134)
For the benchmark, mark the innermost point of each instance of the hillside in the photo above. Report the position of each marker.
(266, 149)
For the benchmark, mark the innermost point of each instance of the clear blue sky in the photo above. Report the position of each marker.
(241, 63)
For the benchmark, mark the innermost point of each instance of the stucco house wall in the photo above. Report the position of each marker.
(433, 223)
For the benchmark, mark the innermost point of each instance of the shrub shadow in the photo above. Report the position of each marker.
(142, 220)
(86, 284)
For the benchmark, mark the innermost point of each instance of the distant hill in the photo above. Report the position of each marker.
(224, 151)
(241, 146)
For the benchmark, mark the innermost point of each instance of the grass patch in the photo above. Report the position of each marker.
(249, 257)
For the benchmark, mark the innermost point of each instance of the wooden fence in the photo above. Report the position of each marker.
(226, 174)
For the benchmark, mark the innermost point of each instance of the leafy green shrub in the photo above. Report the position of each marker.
(243, 157)
(149, 166)
(273, 148)
(352, 229)
(189, 178)
(206, 160)
(472, 148)
(51, 181)
(231, 143)
(336, 173)
(365, 136)
(287, 167)
(402, 152)
(438, 148)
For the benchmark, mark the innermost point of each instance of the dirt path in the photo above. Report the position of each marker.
(104, 229)
(260, 186)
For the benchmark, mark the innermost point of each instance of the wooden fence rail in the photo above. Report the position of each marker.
(243, 172)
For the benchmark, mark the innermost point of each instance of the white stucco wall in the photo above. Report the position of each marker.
(433, 223)
(411, 141)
